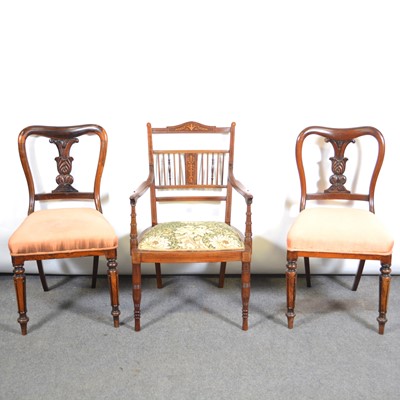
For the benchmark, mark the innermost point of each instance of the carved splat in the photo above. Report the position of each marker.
(191, 168)
(64, 165)
(338, 179)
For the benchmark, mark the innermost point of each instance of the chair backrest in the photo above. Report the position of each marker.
(191, 162)
(339, 139)
(63, 139)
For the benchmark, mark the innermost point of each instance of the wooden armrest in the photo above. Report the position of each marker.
(241, 189)
(140, 190)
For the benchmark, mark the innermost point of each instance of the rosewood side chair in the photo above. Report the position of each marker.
(63, 231)
(188, 167)
(344, 232)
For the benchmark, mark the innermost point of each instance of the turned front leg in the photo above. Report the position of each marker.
(114, 289)
(291, 277)
(245, 294)
(137, 293)
(20, 289)
(384, 286)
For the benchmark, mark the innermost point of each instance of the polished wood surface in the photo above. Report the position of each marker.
(63, 138)
(191, 175)
(339, 139)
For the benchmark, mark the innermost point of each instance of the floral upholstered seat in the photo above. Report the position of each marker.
(192, 236)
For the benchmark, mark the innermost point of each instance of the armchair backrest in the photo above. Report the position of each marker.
(191, 162)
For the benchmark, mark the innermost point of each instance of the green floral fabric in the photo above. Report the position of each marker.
(192, 236)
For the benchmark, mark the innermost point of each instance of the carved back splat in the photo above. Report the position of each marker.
(63, 138)
(339, 139)
(64, 164)
(338, 179)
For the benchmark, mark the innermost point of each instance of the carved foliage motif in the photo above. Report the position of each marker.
(338, 179)
(64, 165)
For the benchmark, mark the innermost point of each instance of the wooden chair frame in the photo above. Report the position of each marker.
(339, 139)
(189, 183)
(63, 138)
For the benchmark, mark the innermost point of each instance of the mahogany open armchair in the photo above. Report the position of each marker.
(187, 166)
(63, 231)
(340, 231)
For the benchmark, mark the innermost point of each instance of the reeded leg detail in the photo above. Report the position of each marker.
(222, 275)
(245, 295)
(384, 286)
(137, 293)
(114, 289)
(291, 277)
(20, 289)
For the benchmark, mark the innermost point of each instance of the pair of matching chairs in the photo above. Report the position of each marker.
(190, 164)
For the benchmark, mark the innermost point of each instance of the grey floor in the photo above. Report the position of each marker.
(191, 345)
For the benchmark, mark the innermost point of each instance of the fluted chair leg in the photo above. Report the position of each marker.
(20, 289)
(245, 295)
(384, 286)
(137, 293)
(291, 278)
(114, 289)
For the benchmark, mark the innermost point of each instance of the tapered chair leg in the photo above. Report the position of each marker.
(114, 289)
(137, 293)
(384, 286)
(291, 278)
(245, 295)
(358, 275)
(42, 275)
(307, 270)
(20, 289)
(158, 276)
(222, 275)
(95, 271)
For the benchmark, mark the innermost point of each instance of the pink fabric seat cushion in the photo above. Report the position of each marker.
(339, 230)
(62, 230)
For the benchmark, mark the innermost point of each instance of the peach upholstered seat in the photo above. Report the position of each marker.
(63, 230)
(339, 230)
(55, 233)
(344, 230)
(191, 166)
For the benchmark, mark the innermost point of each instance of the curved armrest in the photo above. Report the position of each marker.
(140, 190)
(241, 189)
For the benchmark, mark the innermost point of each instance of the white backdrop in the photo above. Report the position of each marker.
(273, 67)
